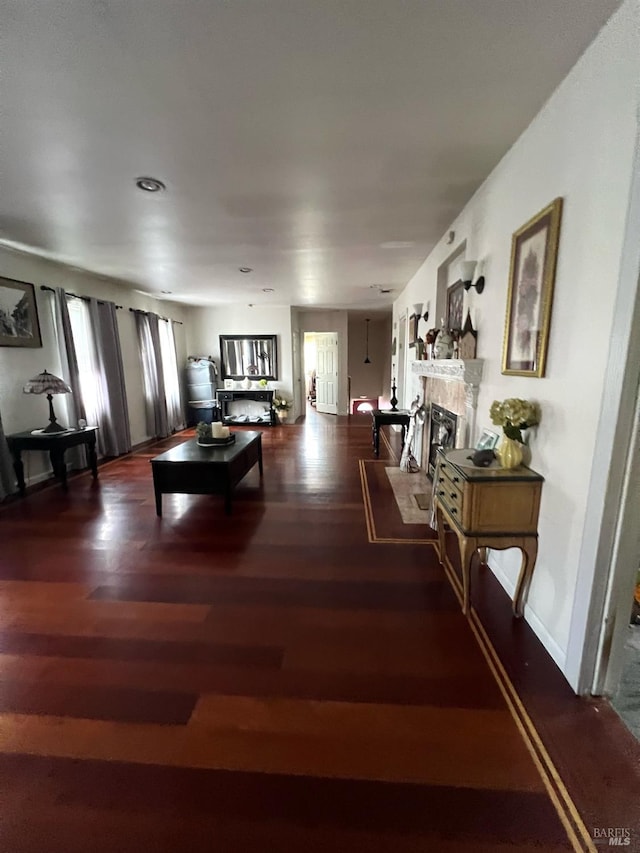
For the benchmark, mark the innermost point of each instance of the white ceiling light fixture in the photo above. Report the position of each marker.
(150, 185)
(267, 290)
(245, 270)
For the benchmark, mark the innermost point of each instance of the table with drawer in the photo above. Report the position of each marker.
(487, 508)
(259, 395)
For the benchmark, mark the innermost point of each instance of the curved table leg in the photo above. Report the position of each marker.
(529, 550)
(468, 547)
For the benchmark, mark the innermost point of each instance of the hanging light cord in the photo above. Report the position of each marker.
(367, 360)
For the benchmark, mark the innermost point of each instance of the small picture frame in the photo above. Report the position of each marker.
(229, 384)
(19, 324)
(488, 440)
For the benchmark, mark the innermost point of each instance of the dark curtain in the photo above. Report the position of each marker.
(7, 474)
(114, 436)
(151, 358)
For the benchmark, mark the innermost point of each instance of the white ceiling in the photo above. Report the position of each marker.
(294, 136)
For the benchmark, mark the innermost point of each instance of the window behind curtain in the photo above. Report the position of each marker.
(170, 371)
(85, 350)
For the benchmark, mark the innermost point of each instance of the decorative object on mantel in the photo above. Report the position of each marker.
(468, 341)
(513, 415)
(394, 399)
(19, 325)
(430, 340)
(47, 383)
(246, 383)
(534, 249)
(443, 346)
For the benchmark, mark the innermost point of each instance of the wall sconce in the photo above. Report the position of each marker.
(467, 271)
(417, 311)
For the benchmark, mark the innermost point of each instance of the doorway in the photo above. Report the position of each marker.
(320, 351)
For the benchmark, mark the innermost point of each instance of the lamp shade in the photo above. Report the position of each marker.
(467, 269)
(46, 383)
(417, 309)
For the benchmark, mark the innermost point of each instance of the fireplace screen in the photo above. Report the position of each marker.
(442, 433)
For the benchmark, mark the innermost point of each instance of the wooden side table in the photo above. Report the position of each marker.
(388, 416)
(57, 443)
(488, 508)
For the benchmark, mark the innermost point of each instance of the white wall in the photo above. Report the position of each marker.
(369, 380)
(580, 147)
(207, 324)
(23, 411)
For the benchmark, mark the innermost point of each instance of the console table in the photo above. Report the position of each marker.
(388, 416)
(487, 508)
(262, 395)
(57, 443)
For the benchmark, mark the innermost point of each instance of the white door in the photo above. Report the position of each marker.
(327, 373)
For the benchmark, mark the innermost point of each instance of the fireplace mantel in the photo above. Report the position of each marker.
(469, 371)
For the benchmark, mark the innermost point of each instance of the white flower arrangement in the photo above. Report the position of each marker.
(514, 415)
(281, 403)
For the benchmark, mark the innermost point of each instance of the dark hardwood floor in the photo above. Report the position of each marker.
(266, 681)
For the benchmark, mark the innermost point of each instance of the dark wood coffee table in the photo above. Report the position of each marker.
(190, 469)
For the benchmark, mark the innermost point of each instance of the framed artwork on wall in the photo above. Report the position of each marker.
(534, 251)
(413, 329)
(455, 304)
(19, 324)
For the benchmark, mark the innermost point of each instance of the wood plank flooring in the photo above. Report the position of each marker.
(270, 680)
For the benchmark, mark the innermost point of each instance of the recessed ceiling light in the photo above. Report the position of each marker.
(245, 269)
(267, 290)
(166, 291)
(150, 185)
(397, 244)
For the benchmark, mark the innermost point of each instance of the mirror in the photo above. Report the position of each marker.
(248, 355)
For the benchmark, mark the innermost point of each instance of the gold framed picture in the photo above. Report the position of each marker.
(534, 251)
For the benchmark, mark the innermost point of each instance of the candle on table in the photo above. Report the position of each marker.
(217, 429)
(226, 432)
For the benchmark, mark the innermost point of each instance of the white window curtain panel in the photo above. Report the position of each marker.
(152, 374)
(169, 357)
(114, 437)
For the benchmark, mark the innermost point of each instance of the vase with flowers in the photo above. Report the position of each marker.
(513, 415)
(282, 406)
